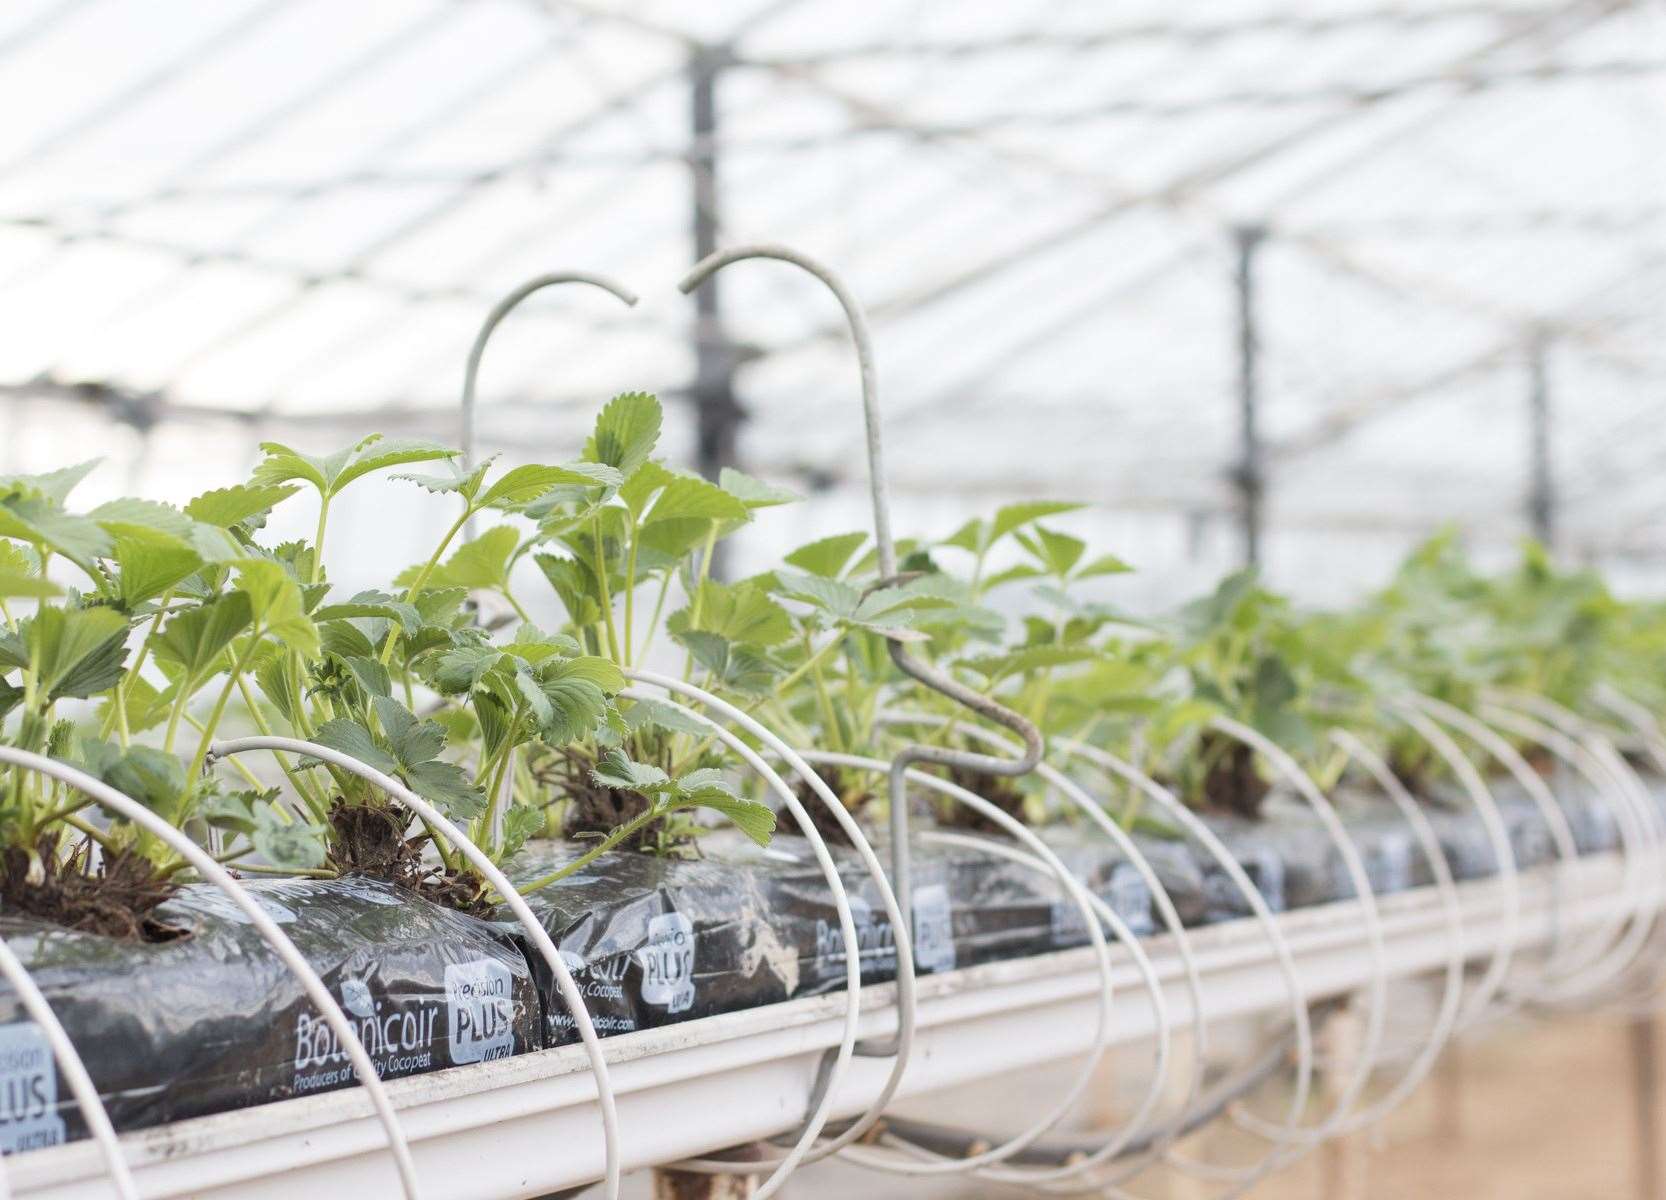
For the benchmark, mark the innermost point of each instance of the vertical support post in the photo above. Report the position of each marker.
(1643, 1042)
(1541, 493)
(717, 414)
(1250, 475)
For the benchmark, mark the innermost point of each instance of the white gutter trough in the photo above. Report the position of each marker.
(526, 1126)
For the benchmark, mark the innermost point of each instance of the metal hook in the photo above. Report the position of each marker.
(1134, 1132)
(501, 310)
(931, 677)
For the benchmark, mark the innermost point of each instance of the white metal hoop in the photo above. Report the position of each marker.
(1366, 898)
(1082, 802)
(904, 1038)
(131, 810)
(479, 860)
(1446, 1015)
(1301, 1021)
(865, 1156)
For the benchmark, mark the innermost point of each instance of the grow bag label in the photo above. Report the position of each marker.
(876, 941)
(1126, 894)
(667, 963)
(29, 1116)
(480, 1010)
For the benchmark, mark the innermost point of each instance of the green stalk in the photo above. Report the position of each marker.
(92, 831)
(699, 588)
(308, 872)
(809, 664)
(422, 578)
(516, 605)
(630, 597)
(296, 780)
(601, 579)
(825, 700)
(602, 847)
(653, 623)
(175, 713)
(318, 537)
(125, 685)
(207, 739)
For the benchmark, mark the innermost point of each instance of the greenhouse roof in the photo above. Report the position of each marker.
(292, 215)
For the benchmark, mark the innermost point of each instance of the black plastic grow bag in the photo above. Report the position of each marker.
(214, 1021)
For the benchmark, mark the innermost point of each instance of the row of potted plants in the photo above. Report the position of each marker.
(135, 632)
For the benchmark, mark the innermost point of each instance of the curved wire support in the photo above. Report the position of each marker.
(1636, 837)
(888, 899)
(1446, 1015)
(937, 680)
(1640, 720)
(1556, 821)
(821, 1108)
(212, 872)
(500, 883)
(1498, 840)
(1365, 897)
(1092, 917)
(1076, 797)
(63, 1049)
(501, 310)
(1300, 1019)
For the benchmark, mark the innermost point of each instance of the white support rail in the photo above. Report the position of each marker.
(527, 1126)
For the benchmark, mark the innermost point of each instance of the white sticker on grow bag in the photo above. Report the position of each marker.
(28, 1090)
(480, 1008)
(668, 963)
(933, 929)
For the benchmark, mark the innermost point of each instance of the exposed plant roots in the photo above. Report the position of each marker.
(370, 840)
(856, 797)
(117, 899)
(999, 790)
(1233, 785)
(595, 810)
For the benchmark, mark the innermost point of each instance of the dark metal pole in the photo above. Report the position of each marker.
(1250, 475)
(1541, 494)
(717, 414)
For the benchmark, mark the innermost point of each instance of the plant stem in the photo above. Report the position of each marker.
(213, 723)
(824, 699)
(653, 623)
(699, 592)
(809, 664)
(421, 580)
(132, 672)
(296, 780)
(57, 814)
(601, 579)
(516, 605)
(92, 831)
(602, 847)
(318, 537)
(630, 595)
(306, 872)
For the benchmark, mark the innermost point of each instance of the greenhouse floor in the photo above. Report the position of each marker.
(1523, 1111)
